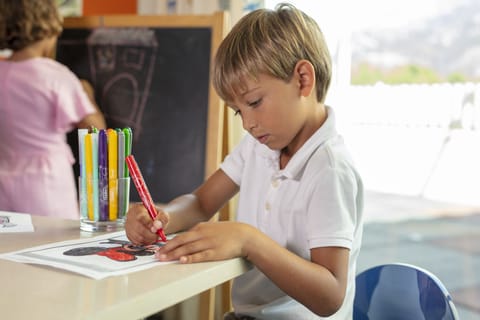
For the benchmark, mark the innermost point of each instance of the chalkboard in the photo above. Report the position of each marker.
(153, 74)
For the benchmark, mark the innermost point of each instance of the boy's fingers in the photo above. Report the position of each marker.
(157, 224)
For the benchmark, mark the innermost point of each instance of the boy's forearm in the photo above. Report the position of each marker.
(301, 279)
(184, 213)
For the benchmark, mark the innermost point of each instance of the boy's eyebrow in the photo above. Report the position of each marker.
(248, 90)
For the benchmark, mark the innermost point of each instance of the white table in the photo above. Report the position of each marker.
(40, 292)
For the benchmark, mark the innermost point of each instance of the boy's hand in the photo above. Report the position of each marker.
(139, 226)
(208, 241)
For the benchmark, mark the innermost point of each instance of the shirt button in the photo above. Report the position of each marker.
(267, 206)
(275, 183)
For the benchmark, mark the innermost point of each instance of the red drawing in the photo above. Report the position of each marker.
(125, 252)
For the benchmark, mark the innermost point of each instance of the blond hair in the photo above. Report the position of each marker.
(24, 22)
(271, 42)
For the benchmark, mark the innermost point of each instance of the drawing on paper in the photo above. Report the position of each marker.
(125, 252)
(5, 222)
(11, 222)
(97, 257)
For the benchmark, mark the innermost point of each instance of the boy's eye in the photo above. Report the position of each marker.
(255, 103)
(237, 112)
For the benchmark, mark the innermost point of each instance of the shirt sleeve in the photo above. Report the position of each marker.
(72, 103)
(333, 207)
(234, 163)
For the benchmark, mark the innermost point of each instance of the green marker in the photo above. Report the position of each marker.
(127, 132)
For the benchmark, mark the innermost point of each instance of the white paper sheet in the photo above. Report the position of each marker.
(98, 257)
(15, 222)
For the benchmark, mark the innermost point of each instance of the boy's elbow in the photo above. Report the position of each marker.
(329, 306)
(330, 310)
(326, 310)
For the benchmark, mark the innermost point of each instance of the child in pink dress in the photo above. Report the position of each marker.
(40, 101)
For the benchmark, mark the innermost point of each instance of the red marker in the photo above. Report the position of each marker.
(143, 191)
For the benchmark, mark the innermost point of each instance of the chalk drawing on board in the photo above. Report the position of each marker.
(122, 63)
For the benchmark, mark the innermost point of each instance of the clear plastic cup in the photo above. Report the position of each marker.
(103, 222)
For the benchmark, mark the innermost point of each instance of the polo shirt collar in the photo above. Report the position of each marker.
(297, 163)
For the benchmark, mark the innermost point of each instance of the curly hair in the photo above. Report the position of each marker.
(23, 22)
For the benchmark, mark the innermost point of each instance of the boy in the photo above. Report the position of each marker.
(299, 218)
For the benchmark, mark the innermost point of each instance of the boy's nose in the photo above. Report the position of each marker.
(249, 124)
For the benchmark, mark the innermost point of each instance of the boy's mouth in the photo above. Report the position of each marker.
(263, 139)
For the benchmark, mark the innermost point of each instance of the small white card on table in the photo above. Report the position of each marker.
(15, 222)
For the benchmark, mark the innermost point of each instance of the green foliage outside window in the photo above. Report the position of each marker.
(366, 74)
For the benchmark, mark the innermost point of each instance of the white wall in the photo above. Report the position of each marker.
(419, 140)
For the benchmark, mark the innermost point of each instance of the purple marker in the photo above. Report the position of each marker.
(103, 175)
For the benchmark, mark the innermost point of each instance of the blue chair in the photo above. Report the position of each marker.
(400, 291)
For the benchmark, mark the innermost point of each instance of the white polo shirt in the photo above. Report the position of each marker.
(315, 201)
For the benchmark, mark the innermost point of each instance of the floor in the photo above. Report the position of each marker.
(443, 238)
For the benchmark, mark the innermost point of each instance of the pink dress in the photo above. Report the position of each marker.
(40, 101)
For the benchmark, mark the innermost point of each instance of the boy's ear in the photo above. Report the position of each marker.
(305, 75)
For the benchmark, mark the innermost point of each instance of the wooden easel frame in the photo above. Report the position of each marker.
(217, 23)
(217, 129)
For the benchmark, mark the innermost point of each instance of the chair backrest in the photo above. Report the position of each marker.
(400, 291)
